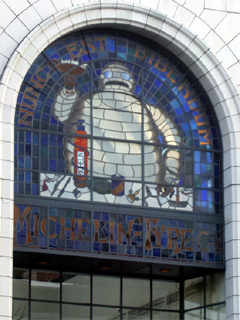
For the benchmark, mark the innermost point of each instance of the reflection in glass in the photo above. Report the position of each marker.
(136, 314)
(195, 315)
(45, 285)
(216, 312)
(106, 313)
(194, 290)
(156, 315)
(20, 310)
(106, 290)
(165, 295)
(136, 293)
(75, 312)
(76, 288)
(45, 310)
(20, 283)
(215, 288)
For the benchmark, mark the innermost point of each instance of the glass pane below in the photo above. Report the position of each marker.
(20, 310)
(216, 312)
(45, 310)
(105, 313)
(75, 312)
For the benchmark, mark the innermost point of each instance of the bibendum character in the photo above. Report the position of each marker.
(119, 122)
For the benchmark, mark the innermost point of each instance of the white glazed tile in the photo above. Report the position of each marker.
(215, 4)
(64, 24)
(108, 13)
(6, 15)
(77, 17)
(139, 17)
(123, 14)
(180, 1)
(39, 41)
(6, 228)
(6, 209)
(213, 40)
(232, 212)
(30, 18)
(3, 63)
(232, 308)
(234, 45)
(51, 31)
(232, 231)
(6, 267)
(232, 287)
(94, 14)
(229, 27)
(168, 7)
(232, 249)
(45, 8)
(231, 194)
(6, 308)
(7, 151)
(153, 4)
(17, 30)
(8, 113)
(193, 7)
(184, 15)
(200, 27)
(9, 45)
(227, 57)
(7, 190)
(17, 6)
(154, 22)
(233, 5)
(5, 286)
(7, 170)
(61, 4)
(212, 17)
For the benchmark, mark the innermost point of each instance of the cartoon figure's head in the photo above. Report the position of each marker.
(117, 75)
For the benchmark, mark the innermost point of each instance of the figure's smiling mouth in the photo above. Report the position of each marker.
(120, 83)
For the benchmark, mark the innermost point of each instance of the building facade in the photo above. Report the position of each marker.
(199, 43)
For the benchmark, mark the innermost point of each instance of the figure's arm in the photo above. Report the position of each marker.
(171, 157)
(64, 104)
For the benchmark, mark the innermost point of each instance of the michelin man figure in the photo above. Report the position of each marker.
(119, 123)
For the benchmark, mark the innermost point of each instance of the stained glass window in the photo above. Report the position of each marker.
(107, 117)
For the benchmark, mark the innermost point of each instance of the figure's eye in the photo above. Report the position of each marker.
(108, 74)
(125, 76)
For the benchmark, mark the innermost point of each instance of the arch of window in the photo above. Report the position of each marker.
(117, 150)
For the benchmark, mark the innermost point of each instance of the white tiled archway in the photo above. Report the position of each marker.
(180, 41)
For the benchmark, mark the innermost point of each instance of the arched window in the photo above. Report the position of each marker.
(118, 156)
(117, 151)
